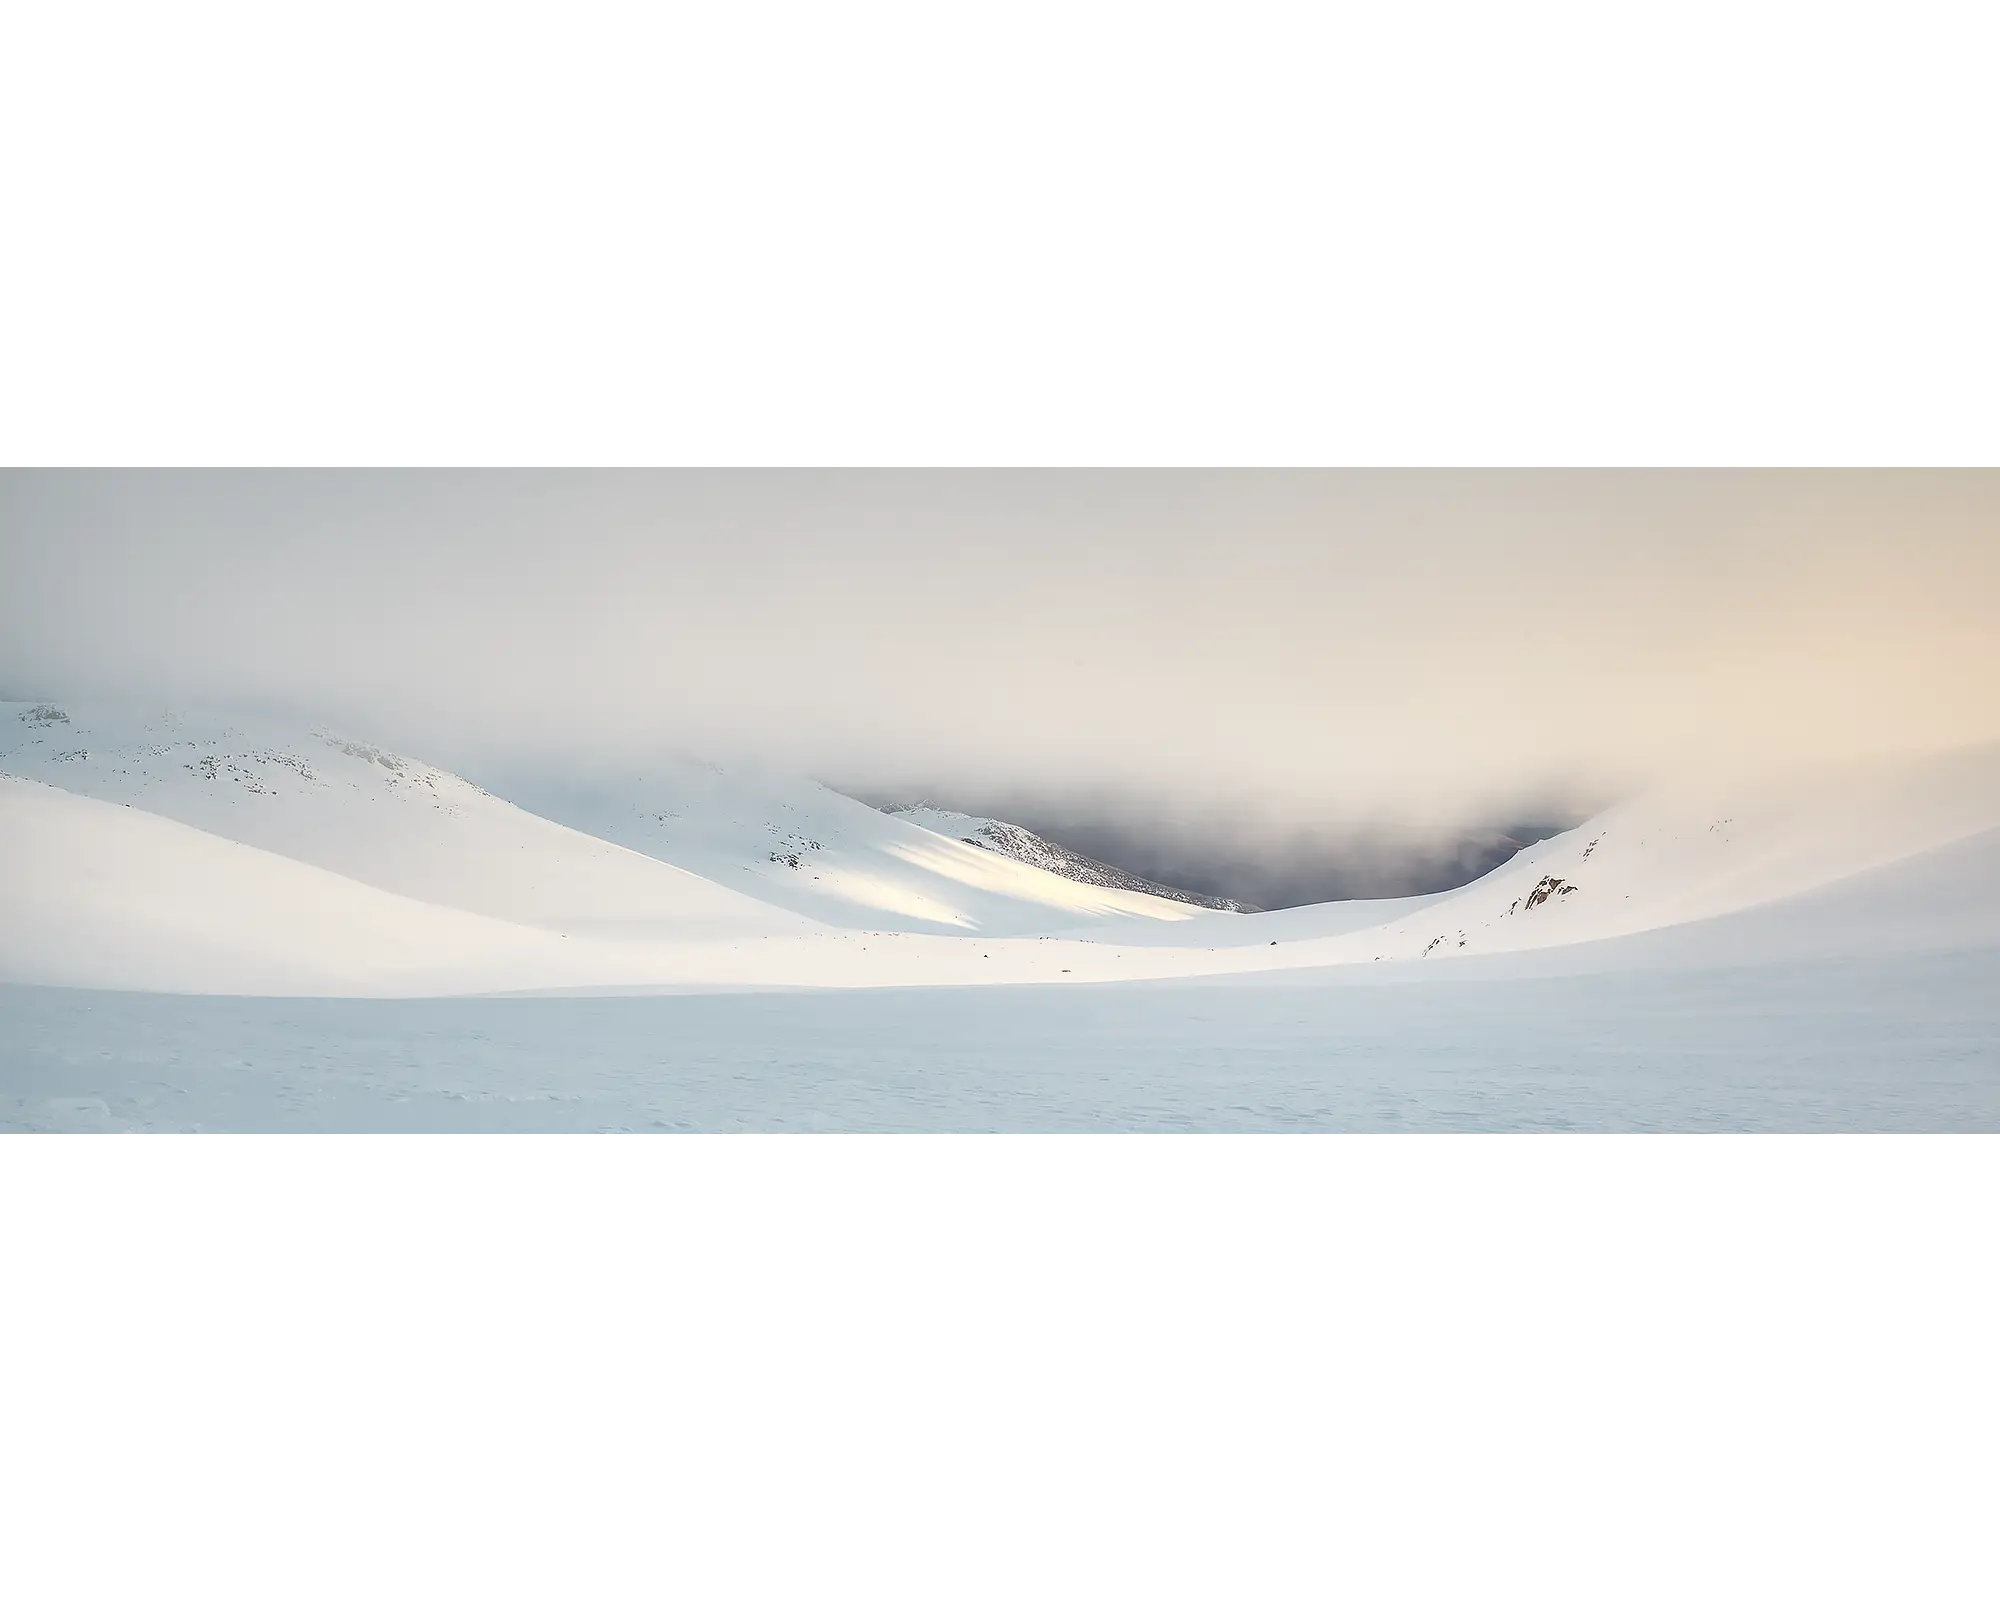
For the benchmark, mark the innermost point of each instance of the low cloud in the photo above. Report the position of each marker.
(1314, 647)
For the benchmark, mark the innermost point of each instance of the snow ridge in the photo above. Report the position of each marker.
(1011, 840)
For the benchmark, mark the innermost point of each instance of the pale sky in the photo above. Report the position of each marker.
(1313, 643)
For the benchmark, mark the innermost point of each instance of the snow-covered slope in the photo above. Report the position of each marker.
(1693, 852)
(379, 818)
(94, 893)
(203, 854)
(799, 844)
(309, 861)
(1018, 844)
(98, 894)
(1941, 900)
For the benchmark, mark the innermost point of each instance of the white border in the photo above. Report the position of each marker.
(1000, 1366)
(1100, 234)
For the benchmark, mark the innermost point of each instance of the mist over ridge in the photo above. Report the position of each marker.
(1307, 653)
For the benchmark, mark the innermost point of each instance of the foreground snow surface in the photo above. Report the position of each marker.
(1909, 1042)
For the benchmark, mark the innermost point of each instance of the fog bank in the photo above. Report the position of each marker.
(1306, 646)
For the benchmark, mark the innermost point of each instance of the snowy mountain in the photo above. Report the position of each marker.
(796, 843)
(1694, 852)
(211, 854)
(382, 819)
(1018, 844)
(194, 850)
